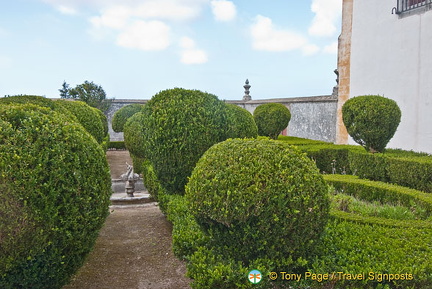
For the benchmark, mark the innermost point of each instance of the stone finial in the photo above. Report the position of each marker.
(247, 97)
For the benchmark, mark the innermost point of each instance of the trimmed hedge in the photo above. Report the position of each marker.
(384, 193)
(86, 116)
(134, 135)
(55, 186)
(241, 123)
(37, 100)
(271, 119)
(371, 120)
(123, 114)
(117, 145)
(180, 125)
(258, 199)
(406, 168)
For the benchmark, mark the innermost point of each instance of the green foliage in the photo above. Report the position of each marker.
(371, 120)
(187, 235)
(37, 100)
(259, 198)
(414, 172)
(298, 141)
(55, 186)
(369, 166)
(135, 134)
(123, 114)
(271, 119)
(90, 93)
(117, 145)
(351, 247)
(241, 123)
(88, 117)
(151, 182)
(383, 193)
(180, 125)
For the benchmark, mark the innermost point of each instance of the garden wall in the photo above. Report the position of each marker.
(311, 117)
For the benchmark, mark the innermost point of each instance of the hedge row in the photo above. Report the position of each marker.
(384, 193)
(405, 168)
(117, 145)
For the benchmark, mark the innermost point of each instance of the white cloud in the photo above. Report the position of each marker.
(190, 54)
(267, 37)
(327, 14)
(115, 17)
(223, 10)
(310, 49)
(194, 56)
(145, 35)
(67, 10)
(331, 48)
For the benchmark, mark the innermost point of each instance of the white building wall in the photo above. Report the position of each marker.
(391, 56)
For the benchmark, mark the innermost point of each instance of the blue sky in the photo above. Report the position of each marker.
(136, 48)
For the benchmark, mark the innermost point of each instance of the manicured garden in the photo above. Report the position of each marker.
(304, 213)
(256, 203)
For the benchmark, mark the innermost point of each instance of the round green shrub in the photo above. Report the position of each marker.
(371, 120)
(259, 199)
(55, 189)
(33, 99)
(37, 100)
(180, 126)
(271, 119)
(134, 135)
(241, 123)
(86, 116)
(123, 114)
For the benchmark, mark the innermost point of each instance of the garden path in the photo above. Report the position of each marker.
(133, 250)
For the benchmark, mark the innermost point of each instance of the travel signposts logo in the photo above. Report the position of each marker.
(254, 276)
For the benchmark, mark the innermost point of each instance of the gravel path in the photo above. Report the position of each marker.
(133, 250)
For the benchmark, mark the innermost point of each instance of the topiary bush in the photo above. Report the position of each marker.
(55, 189)
(258, 199)
(87, 116)
(371, 120)
(37, 100)
(241, 123)
(271, 119)
(123, 114)
(134, 135)
(180, 125)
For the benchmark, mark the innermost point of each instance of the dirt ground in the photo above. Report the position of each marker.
(133, 250)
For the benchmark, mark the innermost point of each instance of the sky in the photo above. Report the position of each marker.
(136, 48)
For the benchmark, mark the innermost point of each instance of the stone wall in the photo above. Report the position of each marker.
(116, 105)
(311, 117)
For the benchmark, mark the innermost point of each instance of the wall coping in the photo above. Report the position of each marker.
(319, 98)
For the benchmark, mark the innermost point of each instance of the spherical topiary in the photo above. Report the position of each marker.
(86, 115)
(371, 120)
(134, 135)
(37, 100)
(55, 189)
(241, 123)
(180, 126)
(123, 114)
(258, 199)
(271, 119)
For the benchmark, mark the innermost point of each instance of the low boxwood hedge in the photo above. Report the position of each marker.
(117, 145)
(384, 193)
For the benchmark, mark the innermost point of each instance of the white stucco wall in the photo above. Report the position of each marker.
(391, 56)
